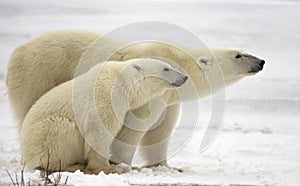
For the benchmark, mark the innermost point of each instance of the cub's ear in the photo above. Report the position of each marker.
(137, 67)
(204, 62)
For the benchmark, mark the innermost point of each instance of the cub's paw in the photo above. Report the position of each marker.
(114, 169)
(106, 170)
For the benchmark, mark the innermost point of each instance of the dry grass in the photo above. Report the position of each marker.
(45, 176)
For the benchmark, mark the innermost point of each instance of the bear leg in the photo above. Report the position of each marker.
(75, 167)
(97, 163)
(156, 140)
(52, 144)
(124, 146)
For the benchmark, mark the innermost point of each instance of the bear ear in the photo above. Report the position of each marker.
(204, 62)
(137, 67)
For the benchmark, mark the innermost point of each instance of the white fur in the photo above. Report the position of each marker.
(70, 137)
(50, 59)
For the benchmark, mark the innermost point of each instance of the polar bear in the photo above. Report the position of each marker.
(56, 136)
(51, 59)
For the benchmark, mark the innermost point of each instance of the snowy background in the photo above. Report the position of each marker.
(260, 140)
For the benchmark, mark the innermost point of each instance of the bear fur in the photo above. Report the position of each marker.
(41, 59)
(60, 137)
(47, 61)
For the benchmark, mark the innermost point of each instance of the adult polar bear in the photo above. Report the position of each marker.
(51, 137)
(51, 59)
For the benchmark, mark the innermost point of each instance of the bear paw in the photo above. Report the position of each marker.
(164, 164)
(106, 170)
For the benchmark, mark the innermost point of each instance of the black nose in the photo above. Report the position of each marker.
(185, 78)
(262, 62)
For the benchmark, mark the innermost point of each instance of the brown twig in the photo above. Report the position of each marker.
(12, 180)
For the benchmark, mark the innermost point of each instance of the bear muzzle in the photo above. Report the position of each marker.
(180, 82)
(258, 67)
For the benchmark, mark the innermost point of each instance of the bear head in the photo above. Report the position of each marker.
(233, 64)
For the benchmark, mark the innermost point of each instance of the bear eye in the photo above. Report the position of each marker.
(238, 56)
(166, 69)
(137, 67)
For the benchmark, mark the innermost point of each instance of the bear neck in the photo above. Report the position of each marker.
(133, 93)
(126, 95)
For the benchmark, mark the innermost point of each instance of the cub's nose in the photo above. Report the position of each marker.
(261, 64)
(185, 78)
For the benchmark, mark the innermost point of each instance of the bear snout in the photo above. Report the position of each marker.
(258, 67)
(180, 82)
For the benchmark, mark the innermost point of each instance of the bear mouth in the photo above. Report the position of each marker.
(178, 83)
(255, 70)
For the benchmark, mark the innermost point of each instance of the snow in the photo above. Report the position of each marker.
(259, 143)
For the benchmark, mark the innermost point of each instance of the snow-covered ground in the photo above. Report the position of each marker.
(260, 141)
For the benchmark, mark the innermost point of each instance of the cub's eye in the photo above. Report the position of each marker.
(166, 69)
(238, 56)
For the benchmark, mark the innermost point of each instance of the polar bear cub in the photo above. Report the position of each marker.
(73, 125)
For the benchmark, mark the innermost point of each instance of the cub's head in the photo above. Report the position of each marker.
(156, 74)
(234, 64)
